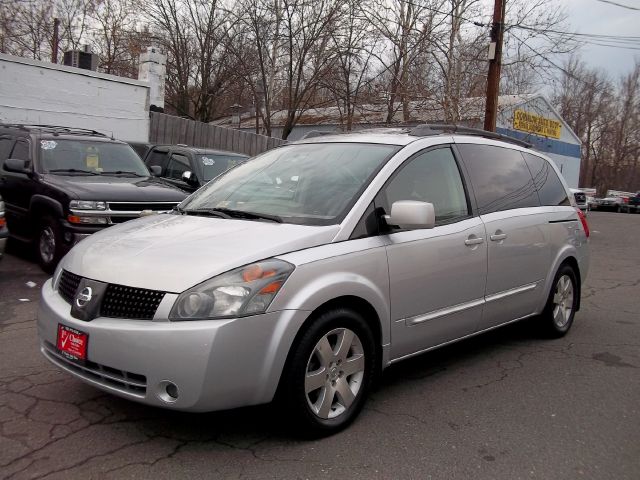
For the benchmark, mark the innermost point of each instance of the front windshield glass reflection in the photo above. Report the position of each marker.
(311, 184)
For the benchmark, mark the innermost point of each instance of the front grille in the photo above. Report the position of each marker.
(139, 206)
(129, 302)
(119, 301)
(580, 197)
(68, 285)
(126, 382)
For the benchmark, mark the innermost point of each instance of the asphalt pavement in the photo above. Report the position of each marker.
(505, 405)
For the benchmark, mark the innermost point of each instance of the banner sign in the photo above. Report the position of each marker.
(528, 122)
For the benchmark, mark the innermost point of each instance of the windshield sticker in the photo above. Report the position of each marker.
(48, 144)
(208, 161)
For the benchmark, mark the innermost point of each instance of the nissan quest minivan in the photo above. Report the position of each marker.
(301, 274)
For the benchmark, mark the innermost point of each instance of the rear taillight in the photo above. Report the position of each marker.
(625, 199)
(3, 222)
(583, 219)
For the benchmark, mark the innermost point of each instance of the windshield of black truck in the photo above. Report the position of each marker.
(214, 164)
(82, 157)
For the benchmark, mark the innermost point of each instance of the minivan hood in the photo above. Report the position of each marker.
(116, 189)
(175, 252)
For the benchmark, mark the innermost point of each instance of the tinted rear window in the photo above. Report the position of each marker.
(550, 188)
(500, 178)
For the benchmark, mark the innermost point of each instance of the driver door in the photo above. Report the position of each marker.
(437, 276)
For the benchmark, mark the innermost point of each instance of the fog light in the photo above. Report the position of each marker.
(167, 391)
(172, 390)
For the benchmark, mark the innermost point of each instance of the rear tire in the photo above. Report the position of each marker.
(48, 244)
(562, 303)
(329, 374)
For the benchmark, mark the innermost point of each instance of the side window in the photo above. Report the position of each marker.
(550, 188)
(21, 150)
(177, 166)
(159, 158)
(5, 148)
(500, 178)
(432, 176)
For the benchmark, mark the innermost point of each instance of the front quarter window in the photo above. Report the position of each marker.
(311, 184)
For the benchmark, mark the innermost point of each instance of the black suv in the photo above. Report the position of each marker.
(189, 167)
(61, 184)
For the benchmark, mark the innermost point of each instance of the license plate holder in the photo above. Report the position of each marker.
(72, 343)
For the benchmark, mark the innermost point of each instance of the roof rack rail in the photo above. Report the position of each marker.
(427, 129)
(55, 129)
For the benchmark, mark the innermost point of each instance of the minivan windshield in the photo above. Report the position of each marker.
(309, 184)
(86, 157)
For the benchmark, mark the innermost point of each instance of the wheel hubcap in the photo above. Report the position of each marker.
(47, 244)
(334, 373)
(563, 301)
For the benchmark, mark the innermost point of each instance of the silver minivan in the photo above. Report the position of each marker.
(303, 273)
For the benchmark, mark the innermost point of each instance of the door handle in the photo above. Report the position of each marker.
(499, 235)
(473, 240)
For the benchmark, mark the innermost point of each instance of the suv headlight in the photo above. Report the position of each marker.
(247, 290)
(87, 205)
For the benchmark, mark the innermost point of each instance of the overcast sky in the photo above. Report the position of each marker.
(593, 16)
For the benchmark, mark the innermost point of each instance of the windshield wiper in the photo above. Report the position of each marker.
(247, 215)
(123, 172)
(202, 211)
(72, 170)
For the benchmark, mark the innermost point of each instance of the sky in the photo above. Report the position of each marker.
(597, 17)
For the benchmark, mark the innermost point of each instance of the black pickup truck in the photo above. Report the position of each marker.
(61, 184)
(632, 205)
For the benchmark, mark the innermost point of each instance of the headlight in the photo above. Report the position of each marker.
(87, 205)
(244, 291)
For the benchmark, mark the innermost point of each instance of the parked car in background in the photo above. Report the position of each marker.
(608, 203)
(189, 167)
(141, 148)
(632, 204)
(61, 184)
(4, 232)
(580, 198)
(299, 275)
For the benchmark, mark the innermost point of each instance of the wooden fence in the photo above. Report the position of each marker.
(172, 130)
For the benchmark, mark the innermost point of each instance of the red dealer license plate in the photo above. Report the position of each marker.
(72, 343)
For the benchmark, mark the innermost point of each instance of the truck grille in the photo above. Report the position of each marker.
(580, 197)
(126, 382)
(119, 301)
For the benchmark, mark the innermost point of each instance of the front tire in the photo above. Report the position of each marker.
(329, 373)
(48, 244)
(562, 303)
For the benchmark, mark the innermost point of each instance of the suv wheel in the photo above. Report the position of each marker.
(562, 303)
(329, 373)
(49, 244)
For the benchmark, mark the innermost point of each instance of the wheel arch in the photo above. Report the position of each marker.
(351, 302)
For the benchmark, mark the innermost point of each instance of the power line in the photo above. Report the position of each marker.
(618, 4)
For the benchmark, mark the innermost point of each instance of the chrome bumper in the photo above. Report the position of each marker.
(215, 364)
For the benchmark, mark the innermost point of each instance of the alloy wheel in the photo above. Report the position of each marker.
(47, 244)
(334, 373)
(563, 301)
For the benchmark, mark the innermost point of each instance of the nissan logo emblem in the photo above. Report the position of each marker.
(84, 297)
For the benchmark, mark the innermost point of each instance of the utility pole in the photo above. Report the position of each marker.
(495, 61)
(56, 41)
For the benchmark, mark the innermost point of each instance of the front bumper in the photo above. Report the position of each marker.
(215, 364)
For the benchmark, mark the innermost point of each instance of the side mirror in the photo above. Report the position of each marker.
(156, 170)
(189, 177)
(411, 214)
(16, 165)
